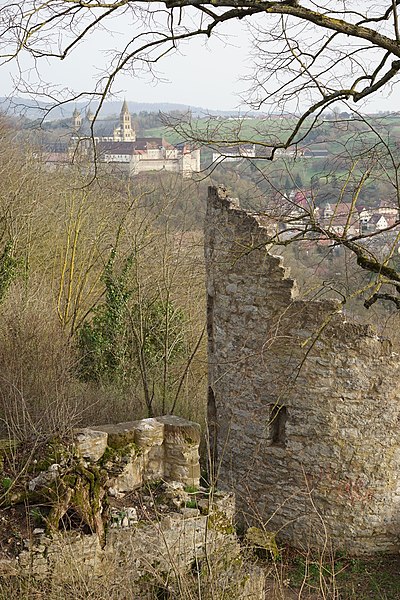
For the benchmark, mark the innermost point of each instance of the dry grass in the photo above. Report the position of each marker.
(295, 577)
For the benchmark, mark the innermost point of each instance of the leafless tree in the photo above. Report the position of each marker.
(322, 52)
(308, 57)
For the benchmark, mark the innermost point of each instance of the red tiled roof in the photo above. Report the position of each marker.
(116, 147)
(130, 148)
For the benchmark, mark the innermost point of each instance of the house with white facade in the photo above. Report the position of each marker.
(234, 153)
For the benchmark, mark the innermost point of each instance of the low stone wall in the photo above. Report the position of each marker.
(121, 510)
(182, 549)
(147, 450)
(166, 541)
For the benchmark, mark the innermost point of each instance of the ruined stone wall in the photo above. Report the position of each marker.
(303, 406)
(132, 518)
(139, 557)
(147, 450)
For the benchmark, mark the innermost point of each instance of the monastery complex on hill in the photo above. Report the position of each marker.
(127, 152)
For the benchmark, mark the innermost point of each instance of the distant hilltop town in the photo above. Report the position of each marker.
(124, 150)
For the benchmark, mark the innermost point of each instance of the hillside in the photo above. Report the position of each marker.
(36, 109)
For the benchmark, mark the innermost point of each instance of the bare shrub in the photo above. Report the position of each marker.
(38, 392)
(105, 403)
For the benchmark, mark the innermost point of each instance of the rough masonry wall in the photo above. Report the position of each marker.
(147, 558)
(304, 406)
(157, 448)
(119, 508)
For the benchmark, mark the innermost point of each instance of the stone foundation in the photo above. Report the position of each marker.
(168, 552)
(148, 450)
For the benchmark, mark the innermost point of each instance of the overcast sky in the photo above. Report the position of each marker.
(207, 74)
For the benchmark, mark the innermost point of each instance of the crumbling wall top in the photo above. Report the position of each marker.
(303, 404)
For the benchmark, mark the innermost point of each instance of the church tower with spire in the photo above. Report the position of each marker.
(124, 133)
(76, 119)
(134, 156)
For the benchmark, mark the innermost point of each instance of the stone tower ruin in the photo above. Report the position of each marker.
(304, 406)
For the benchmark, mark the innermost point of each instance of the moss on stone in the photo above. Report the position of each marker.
(115, 454)
(263, 540)
(56, 451)
(218, 521)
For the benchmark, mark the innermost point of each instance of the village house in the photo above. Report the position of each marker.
(379, 218)
(341, 218)
(378, 223)
(234, 153)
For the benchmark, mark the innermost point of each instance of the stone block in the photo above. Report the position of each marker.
(190, 513)
(186, 474)
(225, 503)
(149, 432)
(178, 431)
(120, 434)
(75, 553)
(181, 455)
(153, 463)
(181, 443)
(131, 476)
(90, 443)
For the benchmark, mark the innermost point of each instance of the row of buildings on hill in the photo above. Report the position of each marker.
(237, 153)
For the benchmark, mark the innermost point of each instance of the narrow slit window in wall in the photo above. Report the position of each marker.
(210, 321)
(277, 425)
(212, 433)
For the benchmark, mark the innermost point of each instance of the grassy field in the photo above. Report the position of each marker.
(351, 145)
(332, 134)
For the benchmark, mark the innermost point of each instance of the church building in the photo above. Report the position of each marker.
(135, 154)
